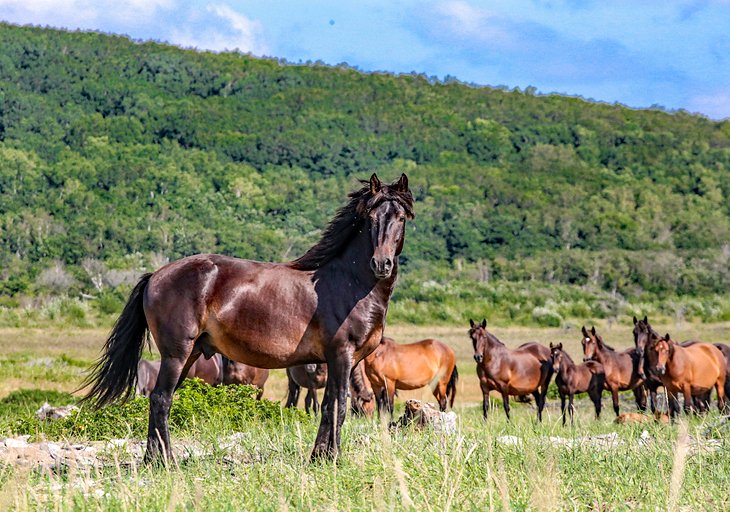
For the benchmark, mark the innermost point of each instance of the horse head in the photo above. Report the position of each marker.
(386, 209)
(478, 335)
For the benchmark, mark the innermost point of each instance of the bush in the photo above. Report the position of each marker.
(546, 317)
(231, 407)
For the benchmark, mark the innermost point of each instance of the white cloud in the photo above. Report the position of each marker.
(81, 13)
(228, 30)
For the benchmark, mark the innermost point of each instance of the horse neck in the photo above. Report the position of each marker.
(492, 346)
(566, 368)
(354, 262)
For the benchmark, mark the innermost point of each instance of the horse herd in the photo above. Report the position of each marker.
(329, 306)
(691, 368)
(390, 367)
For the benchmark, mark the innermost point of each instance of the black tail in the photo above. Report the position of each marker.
(451, 386)
(114, 376)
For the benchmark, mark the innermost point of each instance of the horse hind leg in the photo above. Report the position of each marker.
(158, 435)
(440, 394)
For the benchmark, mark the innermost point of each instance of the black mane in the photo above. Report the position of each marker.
(348, 221)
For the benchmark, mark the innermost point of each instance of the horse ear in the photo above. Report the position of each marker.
(646, 319)
(374, 184)
(551, 345)
(484, 323)
(560, 346)
(593, 330)
(585, 333)
(471, 322)
(402, 184)
(666, 337)
(635, 321)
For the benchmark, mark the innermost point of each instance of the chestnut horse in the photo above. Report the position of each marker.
(243, 374)
(691, 370)
(645, 336)
(524, 370)
(571, 379)
(621, 368)
(208, 370)
(408, 366)
(362, 398)
(309, 376)
(327, 306)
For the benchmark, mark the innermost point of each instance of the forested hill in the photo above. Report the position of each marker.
(116, 155)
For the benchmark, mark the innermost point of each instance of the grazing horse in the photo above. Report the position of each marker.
(309, 376)
(692, 370)
(571, 379)
(329, 306)
(524, 370)
(621, 368)
(408, 366)
(207, 370)
(243, 374)
(362, 398)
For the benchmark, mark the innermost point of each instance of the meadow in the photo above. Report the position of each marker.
(522, 465)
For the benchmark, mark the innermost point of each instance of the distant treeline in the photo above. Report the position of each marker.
(117, 156)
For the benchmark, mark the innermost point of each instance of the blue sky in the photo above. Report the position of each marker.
(640, 53)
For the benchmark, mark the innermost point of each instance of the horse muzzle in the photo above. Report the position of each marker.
(661, 370)
(382, 267)
(478, 358)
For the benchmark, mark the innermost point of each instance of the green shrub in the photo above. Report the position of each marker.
(230, 407)
(546, 317)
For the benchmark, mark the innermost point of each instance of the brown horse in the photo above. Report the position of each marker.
(327, 306)
(571, 379)
(691, 370)
(621, 368)
(408, 366)
(309, 376)
(524, 370)
(362, 398)
(645, 336)
(207, 370)
(243, 374)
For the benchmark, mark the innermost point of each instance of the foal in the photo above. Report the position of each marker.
(621, 368)
(571, 379)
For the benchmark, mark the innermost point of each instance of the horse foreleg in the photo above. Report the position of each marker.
(505, 404)
(562, 406)
(640, 397)
(334, 406)
(390, 387)
(687, 394)
(571, 408)
(614, 397)
(293, 398)
(315, 400)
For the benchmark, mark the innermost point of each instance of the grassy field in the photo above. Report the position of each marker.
(496, 465)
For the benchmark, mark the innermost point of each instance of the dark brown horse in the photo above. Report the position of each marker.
(309, 376)
(524, 370)
(327, 306)
(408, 366)
(243, 374)
(691, 370)
(621, 368)
(571, 379)
(207, 370)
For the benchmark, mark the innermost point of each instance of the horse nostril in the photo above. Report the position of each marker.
(373, 264)
(388, 264)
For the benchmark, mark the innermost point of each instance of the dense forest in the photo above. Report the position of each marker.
(117, 156)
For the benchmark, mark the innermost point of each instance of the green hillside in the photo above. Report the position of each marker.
(117, 155)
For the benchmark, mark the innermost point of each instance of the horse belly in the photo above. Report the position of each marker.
(278, 332)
